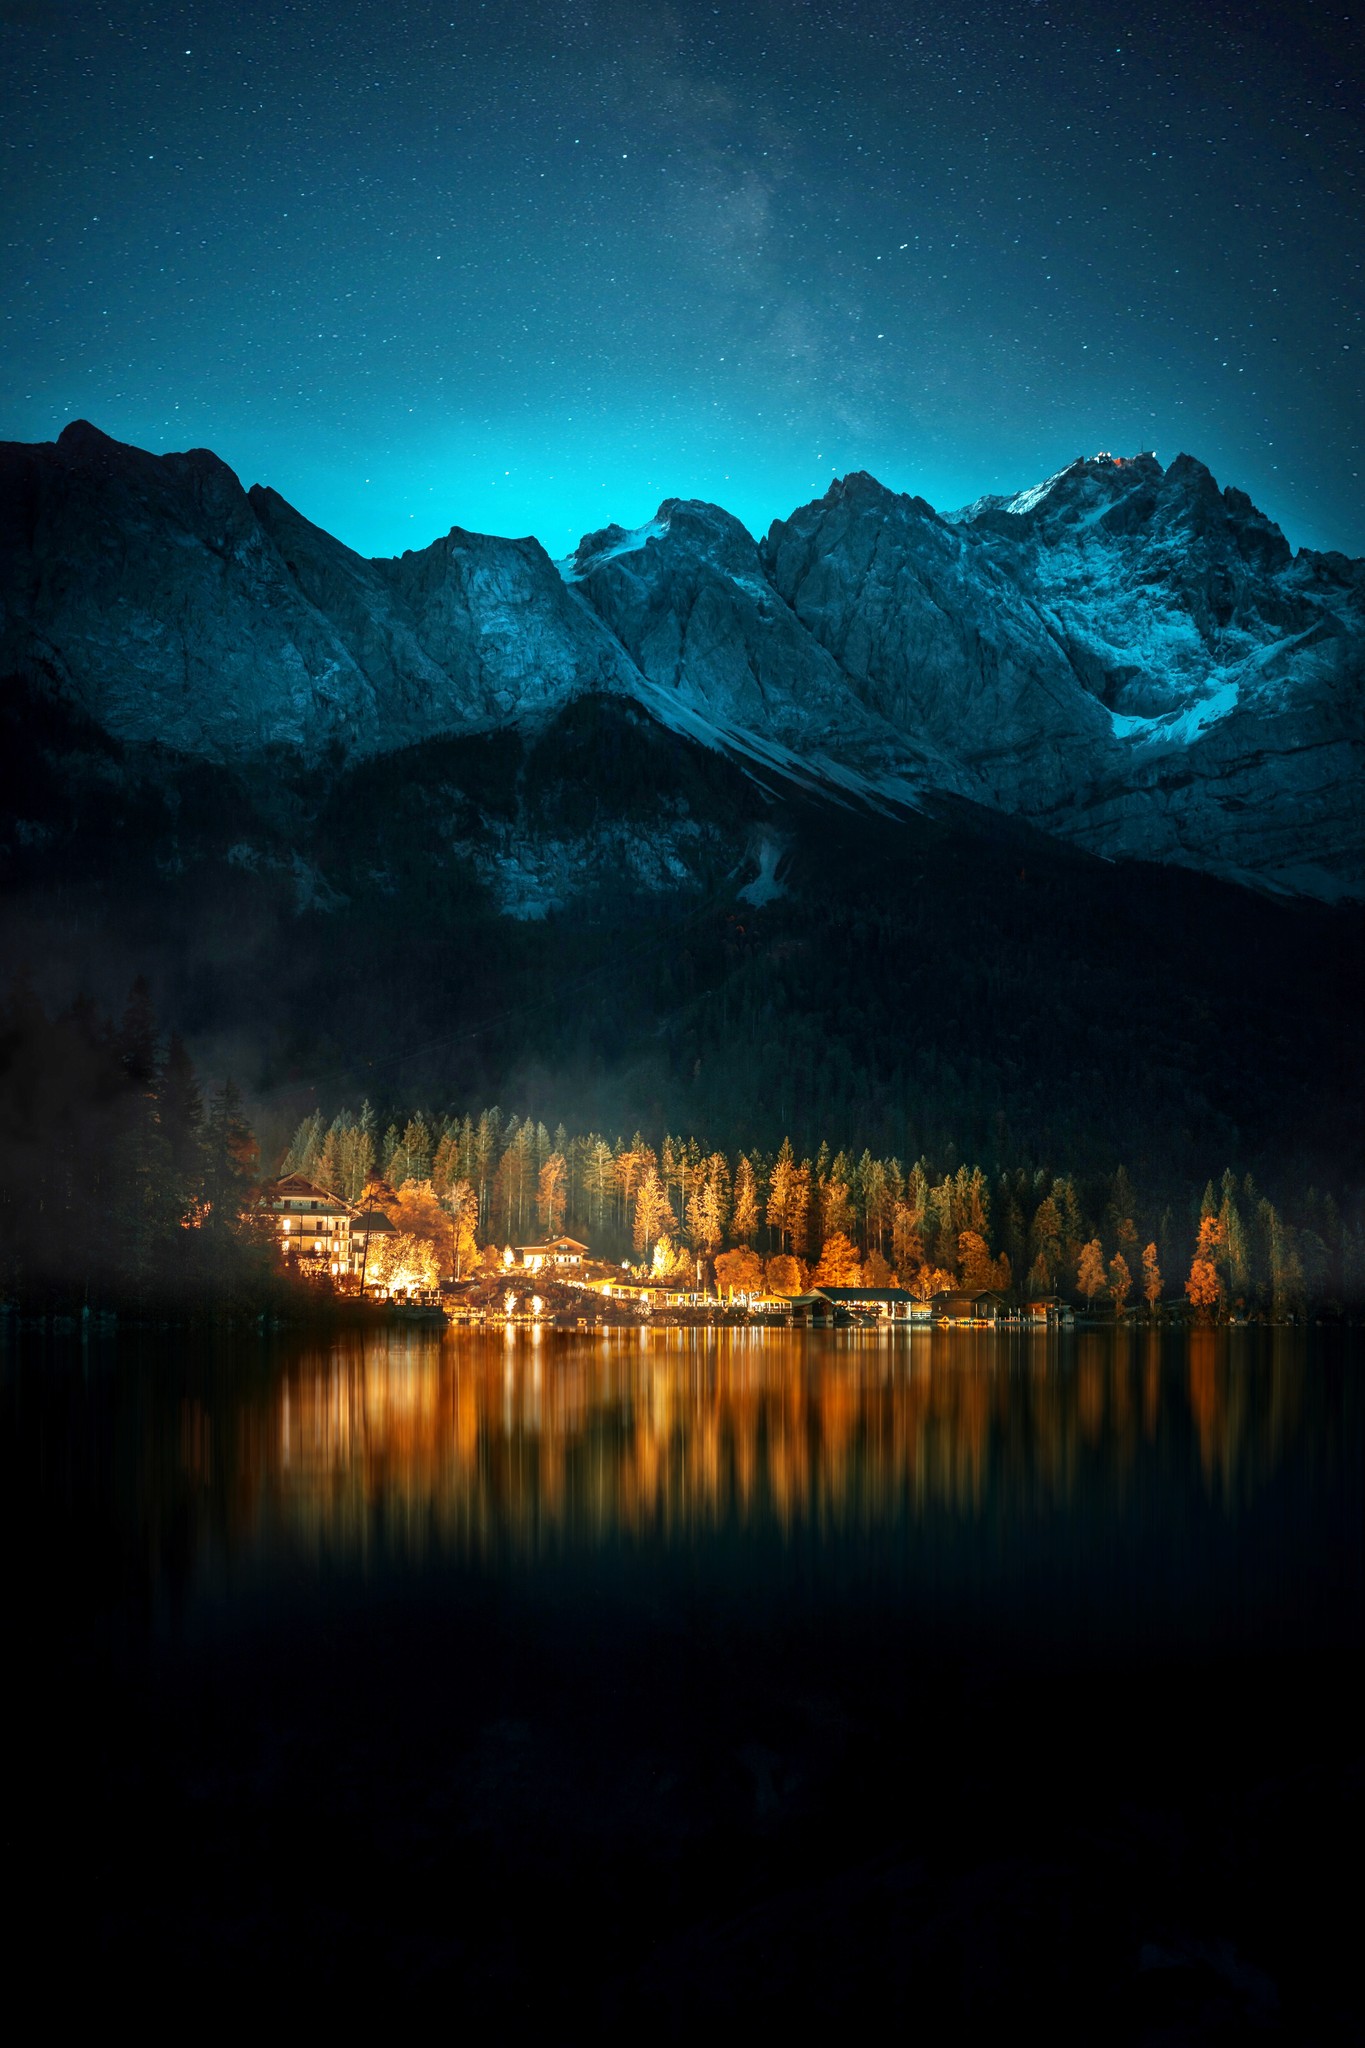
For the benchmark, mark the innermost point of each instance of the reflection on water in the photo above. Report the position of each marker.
(951, 1452)
(515, 1444)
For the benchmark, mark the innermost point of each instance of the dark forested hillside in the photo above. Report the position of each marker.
(603, 920)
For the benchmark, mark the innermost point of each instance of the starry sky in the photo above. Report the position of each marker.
(530, 268)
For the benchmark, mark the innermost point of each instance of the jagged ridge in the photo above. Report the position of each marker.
(1124, 654)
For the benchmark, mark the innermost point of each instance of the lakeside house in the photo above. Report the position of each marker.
(323, 1230)
(895, 1303)
(654, 1294)
(561, 1254)
(312, 1225)
(976, 1310)
(1046, 1312)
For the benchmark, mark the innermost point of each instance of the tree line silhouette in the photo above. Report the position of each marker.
(125, 1183)
(122, 1183)
(840, 1218)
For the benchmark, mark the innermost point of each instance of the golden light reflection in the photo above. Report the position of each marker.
(531, 1440)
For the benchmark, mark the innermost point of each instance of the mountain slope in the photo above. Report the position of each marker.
(1123, 655)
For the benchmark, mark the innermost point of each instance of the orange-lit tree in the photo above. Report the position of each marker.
(552, 1190)
(926, 1281)
(744, 1209)
(979, 1270)
(739, 1272)
(783, 1275)
(1204, 1286)
(839, 1263)
(1090, 1278)
(462, 1202)
(653, 1213)
(403, 1264)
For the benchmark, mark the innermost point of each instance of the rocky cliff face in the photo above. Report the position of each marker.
(1123, 655)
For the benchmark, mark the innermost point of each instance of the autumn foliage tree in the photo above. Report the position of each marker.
(653, 1212)
(979, 1270)
(839, 1264)
(843, 1208)
(739, 1271)
(926, 1281)
(462, 1202)
(1204, 1286)
(744, 1207)
(403, 1263)
(1090, 1277)
(552, 1194)
(784, 1275)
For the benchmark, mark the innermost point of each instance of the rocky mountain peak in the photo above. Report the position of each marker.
(1125, 655)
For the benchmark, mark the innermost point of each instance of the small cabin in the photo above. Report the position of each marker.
(558, 1254)
(1046, 1311)
(893, 1303)
(984, 1307)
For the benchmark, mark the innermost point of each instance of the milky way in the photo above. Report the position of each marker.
(531, 268)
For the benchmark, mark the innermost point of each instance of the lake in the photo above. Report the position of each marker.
(647, 1679)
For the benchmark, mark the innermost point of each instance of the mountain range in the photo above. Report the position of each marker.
(1124, 655)
(380, 794)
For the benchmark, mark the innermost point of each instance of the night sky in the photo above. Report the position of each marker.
(530, 268)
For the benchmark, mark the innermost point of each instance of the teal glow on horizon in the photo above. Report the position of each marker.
(525, 270)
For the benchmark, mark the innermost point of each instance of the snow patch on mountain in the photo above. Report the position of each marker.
(1179, 727)
(607, 546)
(765, 887)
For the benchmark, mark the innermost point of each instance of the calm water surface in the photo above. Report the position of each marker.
(636, 1685)
(1121, 1483)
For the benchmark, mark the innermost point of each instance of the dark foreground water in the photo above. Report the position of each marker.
(639, 1685)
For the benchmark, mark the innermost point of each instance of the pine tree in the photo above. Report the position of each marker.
(303, 1152)
(551, 1194)
(744, 1213)
(1045, 1243)
(781, 1189)
(463, 1203)
(1233, 1255)
(445, 1164)
(182, 1115)
(839, 1264)
(653, 1213)
(907, 1246)
(1039, 1278)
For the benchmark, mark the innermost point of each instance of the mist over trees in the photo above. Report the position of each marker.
(123, 1183)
